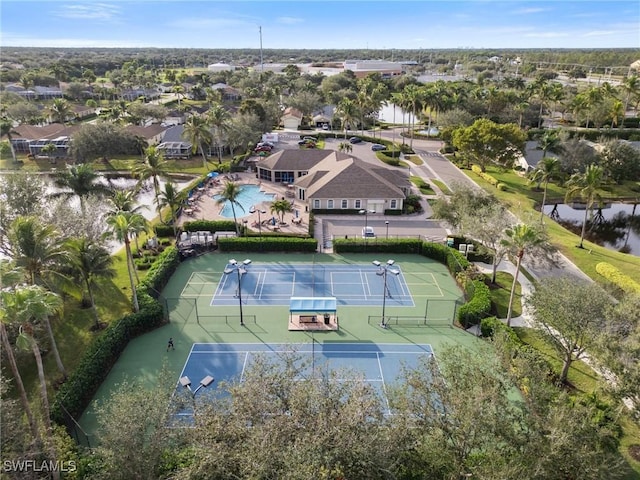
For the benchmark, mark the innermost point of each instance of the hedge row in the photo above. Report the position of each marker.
(491, 325)
(377, 245)
(268, 244)
(619, 279)
(488, 178)
(75, 394)
(452, 258)
(478, 306)
(210, 226)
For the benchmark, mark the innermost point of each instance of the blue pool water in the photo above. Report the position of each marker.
(249, 195)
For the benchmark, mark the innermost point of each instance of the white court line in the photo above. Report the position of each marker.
(259, 284)
(365, 282)
(384, 385)
(244, 365)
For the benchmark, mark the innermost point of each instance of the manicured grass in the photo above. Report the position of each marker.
(424, 187)
(441, 186)
(500, 293)
(415, 159)
(522, 205)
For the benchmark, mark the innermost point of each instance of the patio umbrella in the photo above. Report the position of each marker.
(212, 174)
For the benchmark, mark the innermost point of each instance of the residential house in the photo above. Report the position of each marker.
(228, 94)
(152, 134)
(291, 118)
(324, 116)
(31, 139)
(173, 145)
(326, 180)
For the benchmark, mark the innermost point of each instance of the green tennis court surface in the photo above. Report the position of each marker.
(377, 364)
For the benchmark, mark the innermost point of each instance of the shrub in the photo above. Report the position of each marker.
(161, 271)
(619, 279)
(490, 326)
(485, 176)
(502, 187)
(478, 306)
(210, 226)
(163, 230)
(280, 243)
(377, 245)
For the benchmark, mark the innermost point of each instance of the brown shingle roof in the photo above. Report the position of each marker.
(146, 132)
(54, 130)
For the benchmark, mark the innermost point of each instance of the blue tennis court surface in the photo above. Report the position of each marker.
(272, 284)
(378, 364)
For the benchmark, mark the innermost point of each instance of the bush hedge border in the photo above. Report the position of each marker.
(76, 393)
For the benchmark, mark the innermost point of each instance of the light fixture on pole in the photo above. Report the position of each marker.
(240, 269)
(205, 382)
(386, 222)
(383, 271)
(365, 231)
(260, 226)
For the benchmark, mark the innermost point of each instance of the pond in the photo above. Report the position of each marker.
(615, 226)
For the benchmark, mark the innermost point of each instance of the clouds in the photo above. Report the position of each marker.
(91, 11)
(289, 20)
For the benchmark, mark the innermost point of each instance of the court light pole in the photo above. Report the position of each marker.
(366, 213)
(383, 270)
(260, 226)
(240, 269)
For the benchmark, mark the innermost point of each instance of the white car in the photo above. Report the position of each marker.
(367, 232)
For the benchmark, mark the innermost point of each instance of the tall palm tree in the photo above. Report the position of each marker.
(586, 186)
(519, 239)
(218, 117)
(549, 142)
(617, 112)
(79, 181)
(154, 167)
(347, 110)
(413, 94)
(90, 262)
(37, 248)
(122, 226)
(6, 128)
(124, 201)
(172, 198)
(631, 87)
(546, 170)
(230, 194)
(8, 349)
(197, 132)
(50, 150)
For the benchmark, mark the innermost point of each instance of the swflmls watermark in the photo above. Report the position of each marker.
(38, 466)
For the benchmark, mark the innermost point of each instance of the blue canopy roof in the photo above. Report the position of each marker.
(312, 304)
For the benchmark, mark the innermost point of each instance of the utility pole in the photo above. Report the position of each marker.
(261, 59)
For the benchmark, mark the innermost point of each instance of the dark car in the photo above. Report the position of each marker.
(355, 140)
(262, 148)
(377, 147)
(307, 142)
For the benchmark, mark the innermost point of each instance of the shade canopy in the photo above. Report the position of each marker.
(313, 304)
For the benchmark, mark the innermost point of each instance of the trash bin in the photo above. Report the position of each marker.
(326, 318)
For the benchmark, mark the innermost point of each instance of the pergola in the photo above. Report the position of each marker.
(313, 313)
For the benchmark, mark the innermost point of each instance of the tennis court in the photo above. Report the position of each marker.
(378, 364)
(275, 284)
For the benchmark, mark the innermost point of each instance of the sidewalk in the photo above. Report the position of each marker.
(524, 320)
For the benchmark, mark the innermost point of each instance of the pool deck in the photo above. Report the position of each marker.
(206, 208)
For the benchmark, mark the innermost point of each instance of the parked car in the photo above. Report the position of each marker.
(367, 232)
(263, 148)
(311, 139)
(355, 140)
(307, 141)
(266, 144)
(377, 147)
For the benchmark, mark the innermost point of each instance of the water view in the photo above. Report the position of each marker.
(615, 226)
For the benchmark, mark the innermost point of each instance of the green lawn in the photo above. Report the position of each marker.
(500, 293)
(521, 200)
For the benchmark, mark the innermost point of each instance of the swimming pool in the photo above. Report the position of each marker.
(249, 195)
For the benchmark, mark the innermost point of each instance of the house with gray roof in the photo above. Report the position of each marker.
(327, 181)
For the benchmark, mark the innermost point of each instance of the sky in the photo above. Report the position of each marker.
(311, 24)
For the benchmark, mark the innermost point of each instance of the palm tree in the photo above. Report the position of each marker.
(546, 170)
(79, 181)
(586, 185)
(6, 128)
(36, 248)
(218, 117)
(347, 110)
(197, 132)
(90, 261)
(549, 142)
(124, 201)
(60, 110)
(280, 208)
(617, 112)
(154, 168)
(50, 150)
(8, 351)
(230, 194)
(172, 198)
(121, 226)
(413, 94)
(519, 239)
(631, 87)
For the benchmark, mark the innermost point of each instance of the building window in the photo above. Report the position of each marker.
(393, 205)
(316, 204)
(344, 204)
(357, 204)
(329, 203)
